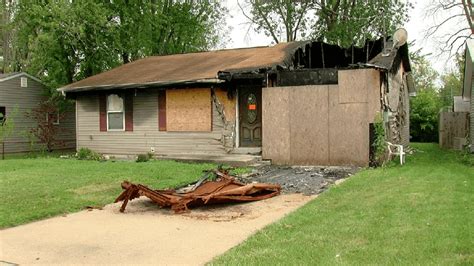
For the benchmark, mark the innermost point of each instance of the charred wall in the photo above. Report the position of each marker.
(323, 55)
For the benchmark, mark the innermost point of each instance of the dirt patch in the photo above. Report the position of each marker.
(309, 180)
(144, 234)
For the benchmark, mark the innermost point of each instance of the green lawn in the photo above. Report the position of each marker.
(33, 189)
(419, 213)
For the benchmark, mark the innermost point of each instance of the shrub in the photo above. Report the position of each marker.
(424, 109)
(141, 158)
(467, 157)
(88, 154)
(150, 155)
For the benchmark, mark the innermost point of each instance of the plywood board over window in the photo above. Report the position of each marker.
(188, 110)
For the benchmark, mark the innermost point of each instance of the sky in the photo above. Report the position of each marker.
(243, 36)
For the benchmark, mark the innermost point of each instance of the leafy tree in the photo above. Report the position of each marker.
(5, 34)
(342, 22)
(424, 110)
(346, 22)
(164, 27)
(65, 41)
(423, 73)
(425, 107)
(452, 82)
(293, 18)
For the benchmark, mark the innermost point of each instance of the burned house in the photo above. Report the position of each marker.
(306, 103)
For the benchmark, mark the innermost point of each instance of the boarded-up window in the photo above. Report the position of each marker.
(188, 110)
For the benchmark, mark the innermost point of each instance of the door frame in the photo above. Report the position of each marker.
(237, 116)
(237, 121)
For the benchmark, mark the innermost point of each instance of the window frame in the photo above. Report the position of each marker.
(107, 112)
(23, 82)
(57, 122)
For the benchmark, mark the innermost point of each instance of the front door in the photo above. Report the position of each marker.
(250, 116)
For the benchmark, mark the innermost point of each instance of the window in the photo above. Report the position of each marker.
(3, 113)
(115, 112)
(24, 82)
(53, 117)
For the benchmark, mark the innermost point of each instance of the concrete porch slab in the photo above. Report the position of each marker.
(247, 150)
(230, 159)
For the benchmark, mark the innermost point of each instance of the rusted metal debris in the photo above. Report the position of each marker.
(224, 189)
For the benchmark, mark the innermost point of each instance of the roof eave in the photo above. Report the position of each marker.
(158, 84)
(19, 74)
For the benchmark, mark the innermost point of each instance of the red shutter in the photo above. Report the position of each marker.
(128, 112)
(103, 112)
(162, 110)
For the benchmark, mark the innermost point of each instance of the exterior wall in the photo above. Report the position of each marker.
(145, 134)
(321, 124)
(397, 101)
(22, 100)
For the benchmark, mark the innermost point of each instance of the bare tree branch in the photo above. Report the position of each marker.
(435, 28)
(269, 26)
(467, 12)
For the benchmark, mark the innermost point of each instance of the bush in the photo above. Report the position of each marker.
(424, 109)
(88, 154)
(380, 143)
(141, 158)
(467, 157)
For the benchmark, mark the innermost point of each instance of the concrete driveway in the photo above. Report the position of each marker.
(144, 234)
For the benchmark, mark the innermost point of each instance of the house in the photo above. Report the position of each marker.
(307, 103)
(467, 100)
(456, 124)
(20, 93)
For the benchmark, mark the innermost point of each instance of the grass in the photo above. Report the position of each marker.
(418, 213)
(37, 188)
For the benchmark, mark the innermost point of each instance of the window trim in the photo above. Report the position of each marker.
(23, 82)
(57, 122)
(107, 112)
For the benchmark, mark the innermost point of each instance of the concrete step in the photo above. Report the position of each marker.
(247, 150)
(236, 160)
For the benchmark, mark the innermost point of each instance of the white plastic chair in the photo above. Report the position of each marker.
(396, 149)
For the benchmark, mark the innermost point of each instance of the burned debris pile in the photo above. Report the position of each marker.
(216, 186)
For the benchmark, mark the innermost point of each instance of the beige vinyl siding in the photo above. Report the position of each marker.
(20, 100)
(145, 134)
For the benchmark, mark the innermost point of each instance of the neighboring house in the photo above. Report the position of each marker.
(456, 125)
(298, 103)
(21, 93)
(468, 90)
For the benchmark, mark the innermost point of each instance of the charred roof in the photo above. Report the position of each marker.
(219, 66)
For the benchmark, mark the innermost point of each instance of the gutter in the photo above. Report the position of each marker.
(159, 84)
